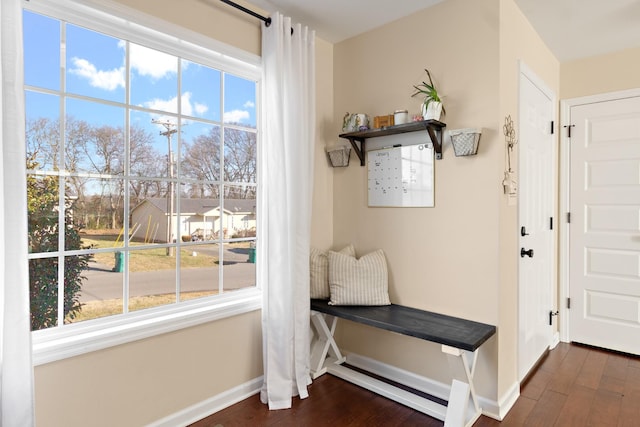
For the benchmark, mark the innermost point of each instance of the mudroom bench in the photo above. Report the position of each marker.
(460, 340)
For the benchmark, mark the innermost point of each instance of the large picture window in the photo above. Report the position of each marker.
(141, 172)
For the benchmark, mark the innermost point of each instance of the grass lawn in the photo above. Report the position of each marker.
(97, 309)
(152, 259)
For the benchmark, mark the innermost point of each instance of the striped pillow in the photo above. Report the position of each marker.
(319, 271)
(363, 281)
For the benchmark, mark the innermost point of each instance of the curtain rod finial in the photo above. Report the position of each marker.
(267, 22)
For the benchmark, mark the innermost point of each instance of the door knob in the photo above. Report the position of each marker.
(524, 252)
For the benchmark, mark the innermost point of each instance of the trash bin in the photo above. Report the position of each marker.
(119, 266)
(252, 255)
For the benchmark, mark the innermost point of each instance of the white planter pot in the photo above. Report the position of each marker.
(433, 111)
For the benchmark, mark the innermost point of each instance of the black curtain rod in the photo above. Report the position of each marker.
(267, 21)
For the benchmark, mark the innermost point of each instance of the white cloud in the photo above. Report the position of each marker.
(107, 80)
(200, 108)
(147, 62)
(235, 116)
(151, 63)
(171, 105)
(163, 104)
(249, 104)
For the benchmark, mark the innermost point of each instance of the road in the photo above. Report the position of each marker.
(103, 284)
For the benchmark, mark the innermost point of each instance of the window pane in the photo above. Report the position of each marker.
(239, 265)
(239, 219)
(199, 271)
(240, 156)
(200, 218)
(200, 159)
(41, 40)
(101, 293)
(150, 203)
(200, 91)
(42, 131)
(95, 137)
(144, 157)
(75, 269)
(95, 64)
(152, 278)
(42, 213)
(98, 207)
(154, 79)
(152, 140)
(43, 283)
(239, 101)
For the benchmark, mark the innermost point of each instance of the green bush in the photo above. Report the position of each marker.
(42, 207)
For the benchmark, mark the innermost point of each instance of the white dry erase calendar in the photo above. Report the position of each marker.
(401, 176)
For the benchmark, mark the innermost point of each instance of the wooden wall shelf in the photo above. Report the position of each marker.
(433, 127)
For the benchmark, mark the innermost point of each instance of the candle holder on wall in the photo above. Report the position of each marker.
(509, 183)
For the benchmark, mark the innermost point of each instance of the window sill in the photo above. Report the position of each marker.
(54, 344)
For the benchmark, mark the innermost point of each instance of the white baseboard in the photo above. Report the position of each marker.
(555, 341)
(490, 408)
(506, 403)
(210, 406)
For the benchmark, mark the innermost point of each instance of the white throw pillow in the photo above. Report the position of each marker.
(319, 270)
(363, 281)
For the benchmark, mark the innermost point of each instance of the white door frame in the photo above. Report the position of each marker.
(527, 72)
(565, 160)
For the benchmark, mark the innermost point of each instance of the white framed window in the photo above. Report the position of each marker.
(142, 154)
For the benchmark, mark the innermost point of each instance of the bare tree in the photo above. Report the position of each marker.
(43, 142)
(240, 162)
(201, 161)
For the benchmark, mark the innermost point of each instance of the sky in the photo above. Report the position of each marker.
(96, 68)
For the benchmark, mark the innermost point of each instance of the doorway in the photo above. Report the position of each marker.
(601, 247)
(536, 208)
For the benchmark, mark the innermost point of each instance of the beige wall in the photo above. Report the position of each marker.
(138, 383)
(322, 214)
(599, 74)
(141, 382)
(446, 258)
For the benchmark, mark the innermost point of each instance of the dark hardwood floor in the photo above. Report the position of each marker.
(573, 386)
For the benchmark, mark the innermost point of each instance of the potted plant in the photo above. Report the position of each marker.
(432, 105)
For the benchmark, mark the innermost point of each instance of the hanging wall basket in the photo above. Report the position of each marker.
(465, 141)
(339, 156)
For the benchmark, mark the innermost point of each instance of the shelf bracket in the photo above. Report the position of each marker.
(437, 143)
(359, 149)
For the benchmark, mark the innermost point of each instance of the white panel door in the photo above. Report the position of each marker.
(536, 208)
(604, 233)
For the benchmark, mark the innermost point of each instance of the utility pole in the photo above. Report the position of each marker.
(170, 130)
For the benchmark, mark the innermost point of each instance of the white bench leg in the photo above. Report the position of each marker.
(323, 344)
(463, 408)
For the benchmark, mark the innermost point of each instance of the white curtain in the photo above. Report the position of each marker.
(286, 184)
(16, 370)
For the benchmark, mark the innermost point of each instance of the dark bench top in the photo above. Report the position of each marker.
(452, 331)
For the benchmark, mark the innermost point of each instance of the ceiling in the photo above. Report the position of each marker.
(571, 28)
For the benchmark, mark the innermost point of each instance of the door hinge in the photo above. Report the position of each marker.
(569, 130)
(552, 127)
(568, 303)
(550, 223)
(569, 217)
